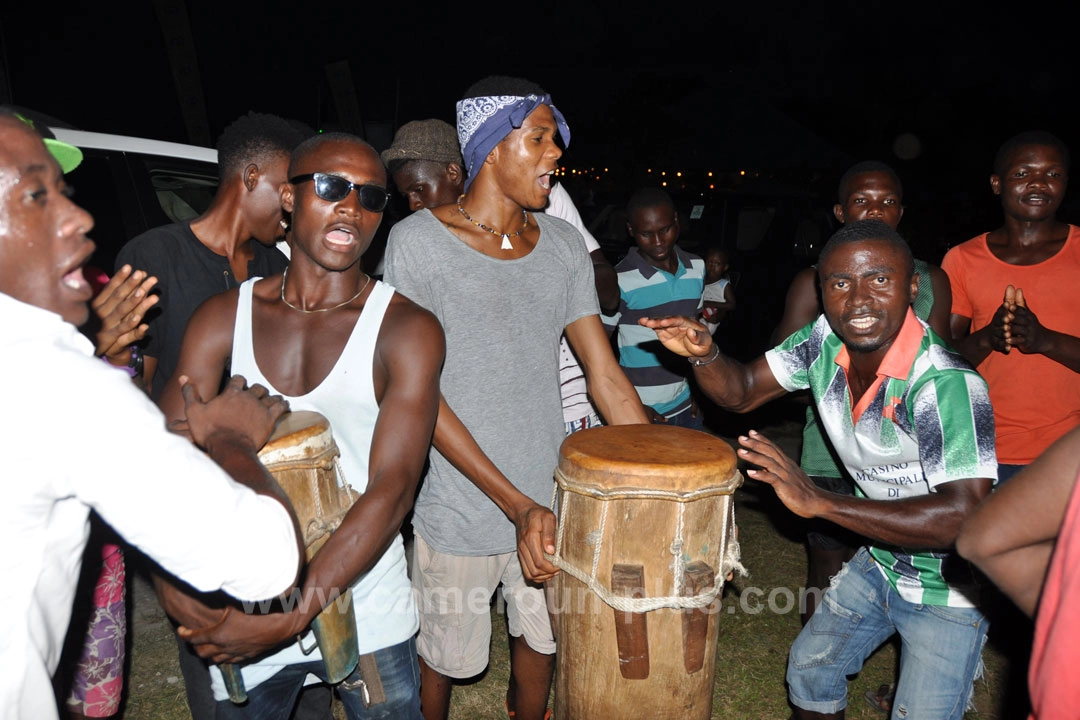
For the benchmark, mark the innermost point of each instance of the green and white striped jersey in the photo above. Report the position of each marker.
(926, 421)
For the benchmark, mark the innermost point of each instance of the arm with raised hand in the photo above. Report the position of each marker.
(121, 306)
(727, 382)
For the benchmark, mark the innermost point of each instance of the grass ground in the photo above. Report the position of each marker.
(751, 651)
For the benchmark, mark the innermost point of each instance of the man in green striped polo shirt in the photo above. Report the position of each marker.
(912, 423)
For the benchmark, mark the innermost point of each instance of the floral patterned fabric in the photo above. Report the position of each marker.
(99, 677)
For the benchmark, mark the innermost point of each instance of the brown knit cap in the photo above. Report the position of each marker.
(433, 140)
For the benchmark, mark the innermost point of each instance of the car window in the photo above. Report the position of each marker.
(183, 189)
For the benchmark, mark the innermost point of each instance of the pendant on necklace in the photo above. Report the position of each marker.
(506, 242)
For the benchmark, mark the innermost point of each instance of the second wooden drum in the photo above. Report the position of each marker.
(646, 537)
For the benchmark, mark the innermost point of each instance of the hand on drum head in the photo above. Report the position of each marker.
(238, 414)
(681, 335)
(536, 536)
(791, 484)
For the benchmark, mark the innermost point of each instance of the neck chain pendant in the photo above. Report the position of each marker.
(506, 245)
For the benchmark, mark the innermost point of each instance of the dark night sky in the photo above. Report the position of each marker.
(640, 84)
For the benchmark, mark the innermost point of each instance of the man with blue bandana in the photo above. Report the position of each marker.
(505, 281)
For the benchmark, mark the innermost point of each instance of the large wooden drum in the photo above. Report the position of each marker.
(646, 537)
(304, 459)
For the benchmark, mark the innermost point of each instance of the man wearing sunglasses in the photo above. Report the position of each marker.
(332, 340)
(505, 281)
(233, 240)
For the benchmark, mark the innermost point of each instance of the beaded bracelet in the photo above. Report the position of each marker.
(135, 364)
(698, 362)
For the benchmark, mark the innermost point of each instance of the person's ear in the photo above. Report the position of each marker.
(251, 176)
(838, 212)
(914, 287)
(455, 174)
(629, 229)
(288, 198)
(901, 215)
(995, 183)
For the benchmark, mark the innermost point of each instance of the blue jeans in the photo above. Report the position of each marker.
(688, 418)
(940, 655)
(398, 671)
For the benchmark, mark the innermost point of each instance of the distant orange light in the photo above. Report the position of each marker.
(678, 174)
(742, 172)
(663, 184)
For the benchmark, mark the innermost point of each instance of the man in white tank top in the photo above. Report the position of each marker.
(332, 340)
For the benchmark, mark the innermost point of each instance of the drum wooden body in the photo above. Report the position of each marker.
(302, 456)
(645, 540)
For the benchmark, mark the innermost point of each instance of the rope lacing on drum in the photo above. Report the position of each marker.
(319, 526)
(730, 562)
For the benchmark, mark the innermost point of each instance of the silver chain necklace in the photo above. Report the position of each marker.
(328, 309)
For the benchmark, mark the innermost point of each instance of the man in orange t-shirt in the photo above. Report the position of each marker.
(1016, 294)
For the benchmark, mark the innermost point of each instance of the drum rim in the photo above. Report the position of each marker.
(626, 490)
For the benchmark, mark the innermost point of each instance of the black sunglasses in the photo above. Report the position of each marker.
(335, 189)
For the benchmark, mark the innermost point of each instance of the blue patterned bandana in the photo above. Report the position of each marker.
(483, 122)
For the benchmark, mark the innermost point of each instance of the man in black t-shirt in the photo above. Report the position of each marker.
(232, 241)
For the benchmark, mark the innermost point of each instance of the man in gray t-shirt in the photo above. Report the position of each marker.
(505, 283)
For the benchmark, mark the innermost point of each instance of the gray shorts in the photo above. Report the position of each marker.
(453, 593)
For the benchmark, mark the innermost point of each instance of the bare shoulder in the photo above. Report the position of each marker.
(408, 324)
(216, 314)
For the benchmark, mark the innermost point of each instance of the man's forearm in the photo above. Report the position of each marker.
(726, 382)
(457, 445)
(1064, 349)
(930, 522)
(616, 398)
(974, 347)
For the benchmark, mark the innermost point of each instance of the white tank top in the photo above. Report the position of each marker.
(383, 600)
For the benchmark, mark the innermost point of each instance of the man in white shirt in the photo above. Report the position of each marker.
(61, 465)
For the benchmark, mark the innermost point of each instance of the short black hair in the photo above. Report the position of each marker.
(861, 168)
(862, 231)
(648, 197)
(503, 85)
(252, 138)
(1029, 137)
(316, 141)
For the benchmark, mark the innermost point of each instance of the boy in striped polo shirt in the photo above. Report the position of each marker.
(656, 278)
(912, 423)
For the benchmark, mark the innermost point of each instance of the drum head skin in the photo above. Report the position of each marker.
(298, 434)
(637, 458)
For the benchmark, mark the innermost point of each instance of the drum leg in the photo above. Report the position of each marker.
(697, 577)
(631, 629)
